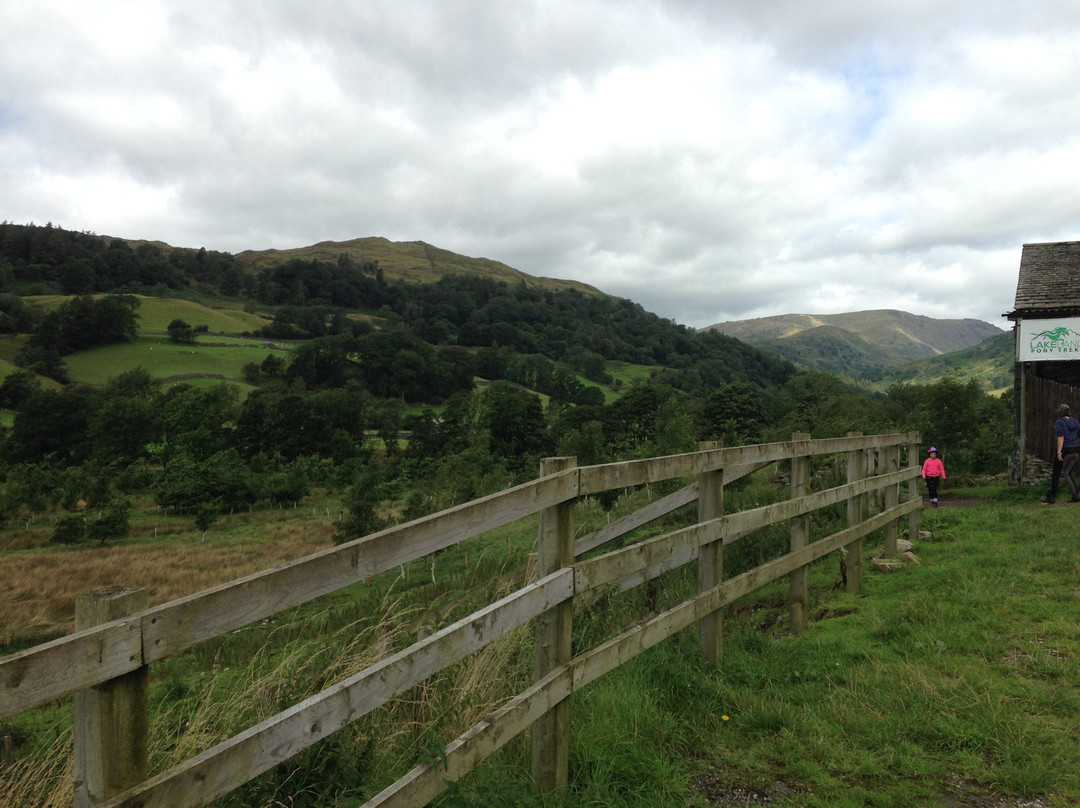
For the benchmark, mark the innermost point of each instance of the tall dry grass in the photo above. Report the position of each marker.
(38, 590)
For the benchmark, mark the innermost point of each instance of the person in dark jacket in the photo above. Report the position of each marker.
(1067, 437)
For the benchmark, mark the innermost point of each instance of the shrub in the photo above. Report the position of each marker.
(69, 530)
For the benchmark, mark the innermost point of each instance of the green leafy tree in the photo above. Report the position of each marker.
(273, 420)
(117, 318)
(196, 421)
(113, 524)
(514, 418)
(224, 478)
(17, 387)
(206, 513)
(52, 424)
(125, 418)
(181, 332)
(362, 500)
(69, 530)
(735, 413)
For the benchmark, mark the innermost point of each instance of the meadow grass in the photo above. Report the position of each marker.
(163, 358)
(155, 313)
(953, 682)
(213, 354)
(628, 374)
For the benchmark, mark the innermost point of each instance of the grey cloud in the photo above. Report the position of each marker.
(707, 160)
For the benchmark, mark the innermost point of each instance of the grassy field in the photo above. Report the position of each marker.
(155, 314)
(950, 683)
(209, 356)
(218, 355)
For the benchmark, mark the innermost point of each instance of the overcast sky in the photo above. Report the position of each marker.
(709, 160)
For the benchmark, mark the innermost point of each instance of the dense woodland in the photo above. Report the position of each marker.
(407, 398)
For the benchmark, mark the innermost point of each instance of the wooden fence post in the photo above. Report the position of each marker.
(711, 560)
(798, 586)
(891, 463)
(555, 549)
(856, 512)
(913, 491)
(111, 720)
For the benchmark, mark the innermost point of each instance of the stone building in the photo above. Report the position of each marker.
(1046, 327)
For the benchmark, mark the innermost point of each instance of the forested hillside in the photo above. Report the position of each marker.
(864, 345)
(407, 397)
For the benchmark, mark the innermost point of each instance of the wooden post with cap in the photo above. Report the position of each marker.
(111, 720)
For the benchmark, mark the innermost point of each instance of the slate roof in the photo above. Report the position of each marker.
(1049, 283)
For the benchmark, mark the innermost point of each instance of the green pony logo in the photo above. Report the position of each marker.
(1056, 335)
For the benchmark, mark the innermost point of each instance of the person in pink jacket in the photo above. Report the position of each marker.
(933, 472)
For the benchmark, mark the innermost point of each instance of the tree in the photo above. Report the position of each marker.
(126, 417)
(272, 420)
(52, 424)
(113, 524)
(117, 319)
(273, 365)
(17, 387)
(361, 502)
(515, 420)
(194, 420)
(69, 530)
(735, 413)
(223, 478)
(180, 332)
(206, 513)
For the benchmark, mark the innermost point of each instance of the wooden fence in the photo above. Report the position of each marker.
(105, 662)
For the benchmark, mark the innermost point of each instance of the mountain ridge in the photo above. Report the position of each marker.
(861, 344)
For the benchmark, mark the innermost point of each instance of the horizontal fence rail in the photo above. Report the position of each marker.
(110, 653)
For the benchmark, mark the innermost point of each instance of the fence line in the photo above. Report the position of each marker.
(100, 656)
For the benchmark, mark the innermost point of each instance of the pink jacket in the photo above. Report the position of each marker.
(933, 467)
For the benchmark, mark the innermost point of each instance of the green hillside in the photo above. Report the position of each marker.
(861, 344)
(831, 349)
(409, 261)
(990, 363)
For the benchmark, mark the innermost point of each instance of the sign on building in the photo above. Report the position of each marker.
(1049, 340)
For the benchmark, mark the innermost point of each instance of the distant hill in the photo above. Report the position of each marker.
(861, 345)
(990, 362)
(409, 261)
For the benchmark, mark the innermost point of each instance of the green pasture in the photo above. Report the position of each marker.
(155, 314)
(164, 359)
(628, 374)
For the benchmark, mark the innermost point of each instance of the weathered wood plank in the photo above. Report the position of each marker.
(232, 763)
(799, 536)
(595, 479)
(551, 644)
(421, 785)
(711, 565)
(54, 669)
(856, 510)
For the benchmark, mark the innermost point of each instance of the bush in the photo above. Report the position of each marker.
(69, 530)
(113, 524)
